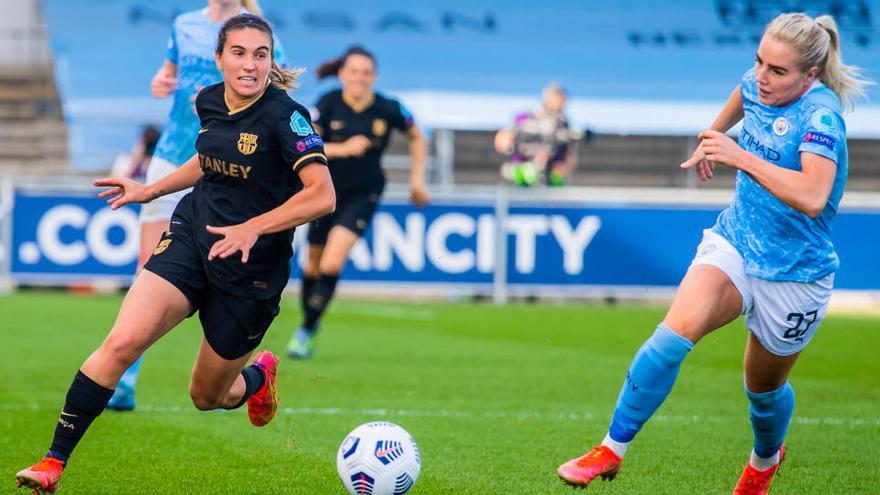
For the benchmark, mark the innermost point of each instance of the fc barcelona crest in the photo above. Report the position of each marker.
(247, 143)
(380, 127)
(163, 245)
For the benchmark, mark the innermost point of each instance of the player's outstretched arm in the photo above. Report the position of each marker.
(806, 191)
(124, 191)
(316, 199)
(418, 152)
(352, 147)
(730, 115)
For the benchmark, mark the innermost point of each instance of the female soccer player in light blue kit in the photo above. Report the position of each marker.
(769, 256)
(189, 66)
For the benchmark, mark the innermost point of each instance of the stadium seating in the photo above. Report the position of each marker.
(628, 56)
(34, 137)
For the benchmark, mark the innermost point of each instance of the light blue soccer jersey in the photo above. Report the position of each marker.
(191, 48)
(776, 241)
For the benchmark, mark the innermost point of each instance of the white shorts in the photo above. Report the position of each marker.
(784, 316)
(161, 208)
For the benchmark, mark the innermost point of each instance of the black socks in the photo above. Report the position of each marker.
(254, 378)
(316, 296)
(85, 401)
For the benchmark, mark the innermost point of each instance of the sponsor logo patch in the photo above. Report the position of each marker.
(300, 125)
(407, 115)
(823, 119)
(822, 139)
(309, 143)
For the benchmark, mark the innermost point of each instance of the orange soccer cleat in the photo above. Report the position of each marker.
(264, 403)
(42, 477)
(755, 482)
(600, 461)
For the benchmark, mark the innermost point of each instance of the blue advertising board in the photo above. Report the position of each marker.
(63, 235)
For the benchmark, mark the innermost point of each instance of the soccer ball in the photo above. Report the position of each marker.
(378, 458)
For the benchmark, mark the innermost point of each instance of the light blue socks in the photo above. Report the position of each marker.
(770, 413)
(648, 382)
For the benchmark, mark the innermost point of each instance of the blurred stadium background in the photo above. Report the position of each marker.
(643, 78)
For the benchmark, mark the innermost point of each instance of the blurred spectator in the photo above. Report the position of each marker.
(539, 144)
(134, 165)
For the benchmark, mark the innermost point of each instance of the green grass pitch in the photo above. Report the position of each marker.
(495, 397)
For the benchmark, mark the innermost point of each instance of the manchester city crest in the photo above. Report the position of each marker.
(781, 126)
(247, 143)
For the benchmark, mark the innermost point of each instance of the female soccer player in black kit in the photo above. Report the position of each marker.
(259, 172)
(355, 123)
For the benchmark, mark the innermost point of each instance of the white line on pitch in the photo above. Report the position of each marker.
(446, 413)
(384, 311)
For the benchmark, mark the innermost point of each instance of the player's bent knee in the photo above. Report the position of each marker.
(691, 327)
(121, 353)
(203, 401)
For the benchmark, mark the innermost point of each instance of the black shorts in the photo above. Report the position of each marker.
(353, 212)
(233, 325)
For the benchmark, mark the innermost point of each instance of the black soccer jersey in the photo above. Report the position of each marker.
(250, 158)
(337, 121)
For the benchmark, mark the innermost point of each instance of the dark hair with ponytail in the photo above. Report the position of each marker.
(280, 76)
(332, 67)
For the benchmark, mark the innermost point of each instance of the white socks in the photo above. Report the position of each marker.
(762, 464)
(618, 448)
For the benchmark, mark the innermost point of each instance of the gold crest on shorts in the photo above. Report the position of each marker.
(163, 245)
(247, 143)
(380, 127)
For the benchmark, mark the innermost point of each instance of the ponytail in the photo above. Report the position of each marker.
(286, 79)
(329, 68)
(332, 67)
(845, 80)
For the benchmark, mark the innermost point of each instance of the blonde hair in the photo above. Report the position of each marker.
(818, 43)
(252, 6)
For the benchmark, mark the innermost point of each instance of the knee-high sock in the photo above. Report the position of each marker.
(85, 401)
(129, 378)
(308, 285)
(318, 300)
(770, 413)
(648, 382)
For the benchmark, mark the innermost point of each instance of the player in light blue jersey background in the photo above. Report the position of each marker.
(189, 66)
(770, 255)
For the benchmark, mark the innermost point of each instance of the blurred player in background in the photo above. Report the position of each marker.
(189, 66)
(539, 144)
(356, 124)
(135, 164)
(770, 254)
(227, 253)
